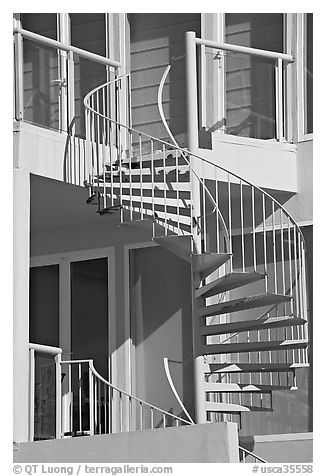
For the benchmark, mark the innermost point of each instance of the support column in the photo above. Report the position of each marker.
(21, 230)
(192, 132)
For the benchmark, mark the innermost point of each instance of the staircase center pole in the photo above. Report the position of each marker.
(192, 132)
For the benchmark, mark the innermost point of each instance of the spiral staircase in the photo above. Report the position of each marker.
(245, 252)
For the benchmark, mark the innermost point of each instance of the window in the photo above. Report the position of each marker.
(309, 75)
(305, 75)
(250, 80)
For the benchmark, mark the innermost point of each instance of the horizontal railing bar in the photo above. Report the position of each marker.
(245, 49)
(46, 349)
(62, 46)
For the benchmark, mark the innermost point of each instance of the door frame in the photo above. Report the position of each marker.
(64, 260)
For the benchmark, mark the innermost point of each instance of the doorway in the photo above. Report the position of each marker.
(69, 308)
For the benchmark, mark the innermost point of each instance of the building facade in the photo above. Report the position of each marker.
(162, 226)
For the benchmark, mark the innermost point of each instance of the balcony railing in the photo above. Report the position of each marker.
(241, 89)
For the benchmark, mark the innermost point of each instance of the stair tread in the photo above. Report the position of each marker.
(230, 367)
(239, 387)
(206, 263)
(240, 304)
(253, 346)
(225, 407)
(254, 324)
(227, 282)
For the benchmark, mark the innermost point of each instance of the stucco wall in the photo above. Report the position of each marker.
(293, 448)
(208, 443)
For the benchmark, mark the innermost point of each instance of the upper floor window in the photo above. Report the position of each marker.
(309, 75)
(250, 92)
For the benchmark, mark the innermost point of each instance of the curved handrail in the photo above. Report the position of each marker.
(139, 400)
(249, 453)
(185, 151)
(168, 376)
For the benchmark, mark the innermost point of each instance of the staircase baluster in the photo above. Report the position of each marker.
(217, 219)
(253, 227)
(230, 222)
(165, 187)
(242, 228)
(80, 397)
(103, 122)
(297, 309)
(153, 185)
(141, 176)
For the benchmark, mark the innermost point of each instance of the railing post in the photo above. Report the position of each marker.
(192, 132)
(58, 396)
(279, 99)
(91, 401)
(19, 82)
(31, 394)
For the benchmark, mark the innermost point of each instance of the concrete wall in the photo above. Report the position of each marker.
(294, 448)
(209, 443)
(264, 163)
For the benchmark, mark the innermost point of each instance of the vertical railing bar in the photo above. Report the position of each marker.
(296, 273)
(99, 407)
(103, 121)
(152, 418)
(141, 176)
(91, 401)
(80, 397)
(130, 413)
(141, 414)
(274, 247)
(165, 185)
(97, 142)
(130, 175)
(242, 229)
(202, 185)
(58, 396)
(177, 186)
(282, 258)
(302, 351)
(253, 227)
(217, 217)
(153, 185)
(230, 222)
(120, 412)
(105, 393)
(164, 420)
(96, 404)
(110, 133)
(71, 399)
(290, 284)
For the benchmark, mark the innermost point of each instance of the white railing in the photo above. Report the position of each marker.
(181, 193)
(273, 63)
(246, 456)
(73, 399)
(95, 406)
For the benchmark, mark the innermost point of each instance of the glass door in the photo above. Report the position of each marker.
(44, 329)
(44, 73)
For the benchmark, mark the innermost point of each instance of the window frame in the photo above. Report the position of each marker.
(303, 136)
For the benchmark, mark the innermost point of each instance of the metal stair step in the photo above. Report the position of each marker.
(207, 263)
(213, 368)
(241, 304)
(219, 407)
(255, 324)
(214, 387)
(226, 283)
(180, 245)
(263, 346)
